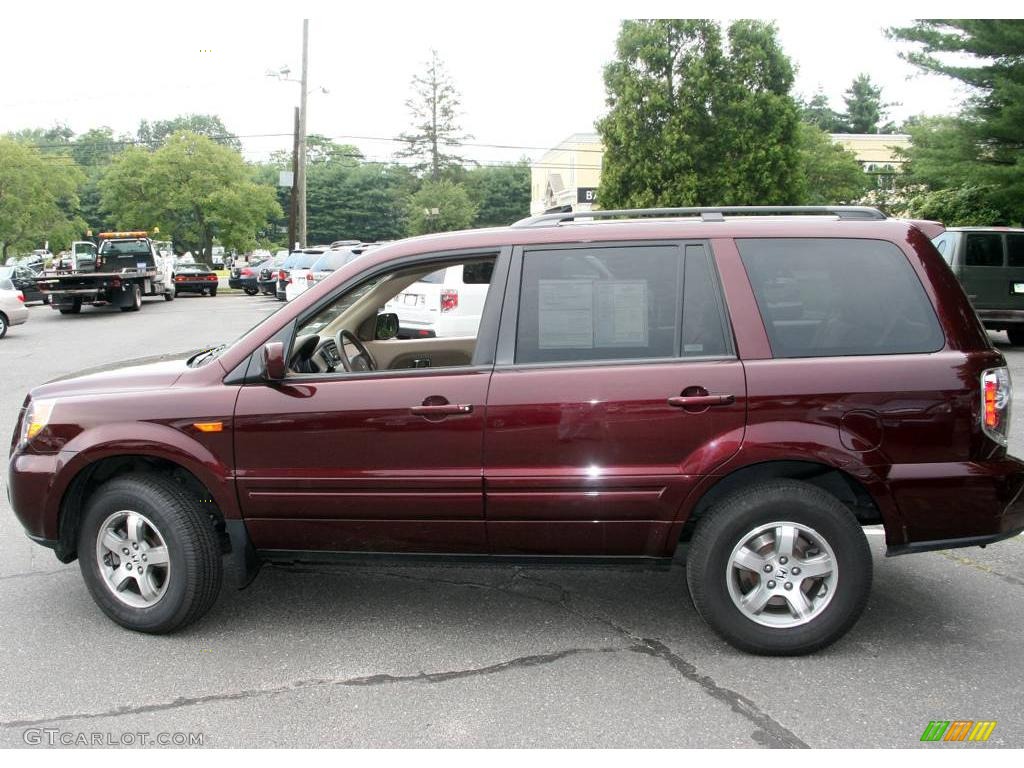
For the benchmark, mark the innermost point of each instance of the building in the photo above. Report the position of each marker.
(566, 177)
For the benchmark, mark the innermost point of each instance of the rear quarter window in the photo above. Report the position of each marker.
(984, 249)
(823, 297)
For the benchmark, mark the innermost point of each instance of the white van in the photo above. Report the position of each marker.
(448, 302)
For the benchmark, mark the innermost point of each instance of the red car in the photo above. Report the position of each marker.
(756, 388)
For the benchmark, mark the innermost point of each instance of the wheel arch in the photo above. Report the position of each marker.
(90, 477)
(849, 490)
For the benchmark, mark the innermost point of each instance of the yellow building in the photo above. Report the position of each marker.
(566, 177)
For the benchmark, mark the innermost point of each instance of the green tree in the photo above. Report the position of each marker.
(38, 198)
(818, 112)
(193, 189)
(159, 131)
(434, 107)
(959, 207)
(93, 151)
(440, 206)
(501, 193)
(864, 108)
(831, 173)
(49, 141)
(983, 147)
(697, 120)
(367, 202)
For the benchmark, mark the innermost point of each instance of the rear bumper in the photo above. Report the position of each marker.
(958, 504)
(195, 286)
(242, 282)
(16, 316)
(995, 319)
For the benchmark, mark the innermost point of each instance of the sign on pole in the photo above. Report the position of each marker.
(286, 179)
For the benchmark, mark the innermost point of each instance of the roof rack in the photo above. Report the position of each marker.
(845, 212)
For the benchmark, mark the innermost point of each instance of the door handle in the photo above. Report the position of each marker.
(701, 401)
(448, 409)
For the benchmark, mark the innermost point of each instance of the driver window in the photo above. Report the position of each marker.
(426, 316)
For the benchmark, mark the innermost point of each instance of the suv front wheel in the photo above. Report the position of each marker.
(149, 554)
(781, 568)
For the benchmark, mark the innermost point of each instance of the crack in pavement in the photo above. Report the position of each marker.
(769, 733)
(522, 662)
(29, 574)
(981, 567)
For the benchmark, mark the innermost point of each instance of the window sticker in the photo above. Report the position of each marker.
(565, 314)
(621, 310)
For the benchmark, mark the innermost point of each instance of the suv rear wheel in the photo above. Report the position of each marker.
(149, 554)
(781, 568)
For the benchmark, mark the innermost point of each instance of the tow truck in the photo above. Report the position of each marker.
(125, 267)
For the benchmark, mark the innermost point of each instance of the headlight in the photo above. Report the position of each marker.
(37, 416)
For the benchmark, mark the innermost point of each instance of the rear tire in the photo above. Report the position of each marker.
(73, 309)
(1016, 336)
(169, 525)
(136, 304)
(3, 325)
(213, 292)
(779, 524)
(251, 291)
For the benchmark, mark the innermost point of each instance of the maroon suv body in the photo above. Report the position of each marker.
(586, 420)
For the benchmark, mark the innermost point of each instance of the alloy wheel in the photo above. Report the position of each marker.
(133, 559)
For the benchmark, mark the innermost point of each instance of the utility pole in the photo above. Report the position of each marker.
(293, 199)
(300, 171)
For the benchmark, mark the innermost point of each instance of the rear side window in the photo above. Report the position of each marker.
(478, 273)
(607, 303)
(826, 297)
(1015, 250)
(984, 249)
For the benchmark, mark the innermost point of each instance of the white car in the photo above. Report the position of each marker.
(448, 302)
(336, 258)
(12, 306)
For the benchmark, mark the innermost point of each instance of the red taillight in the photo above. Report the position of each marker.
(310, 279)
(282, 275)
(996, 395)
(179, 279)
(449, 299)
(21, 297)
(247, 272)
(212, 277)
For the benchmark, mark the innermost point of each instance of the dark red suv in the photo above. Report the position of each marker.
(754, 384)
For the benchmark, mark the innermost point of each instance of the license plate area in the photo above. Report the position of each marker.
(1017, 288)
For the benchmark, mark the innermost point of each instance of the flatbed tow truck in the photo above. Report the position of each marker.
(125, 267)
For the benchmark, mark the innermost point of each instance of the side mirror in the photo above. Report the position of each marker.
(274, 367)
(387, 326)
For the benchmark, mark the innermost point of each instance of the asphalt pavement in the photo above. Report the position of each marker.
(477, 656)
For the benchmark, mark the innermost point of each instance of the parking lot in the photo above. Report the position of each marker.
(480, 656)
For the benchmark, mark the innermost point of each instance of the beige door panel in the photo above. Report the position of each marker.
(442, 353)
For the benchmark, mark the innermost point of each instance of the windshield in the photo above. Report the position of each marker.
(6, 273)
(324, 318)
(300, 260)
(117, 248)
(333, 260)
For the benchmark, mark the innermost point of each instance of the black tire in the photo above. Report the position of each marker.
(74, 308)
(169, 296)
(213, 292)
(1016, 336)
(136, 304)
(196, 568)
(3, 325)
(251, 291)
(728, 522)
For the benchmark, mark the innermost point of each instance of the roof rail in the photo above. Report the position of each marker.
(846, 212)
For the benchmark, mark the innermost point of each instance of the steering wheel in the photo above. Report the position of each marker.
(302, 359)
(361, 362)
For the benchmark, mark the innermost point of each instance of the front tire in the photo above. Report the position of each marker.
(780, 569)
(3, 325)
(149, 554)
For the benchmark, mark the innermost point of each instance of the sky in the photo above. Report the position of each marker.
(529, 74)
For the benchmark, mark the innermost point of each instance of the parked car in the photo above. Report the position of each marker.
(754, 387)
(195, 278)
(12, 306)
(989, 261)
(266, 279)
(304, 279)
(24, 280)
(299, 260)
(246, 276)
(448, 302)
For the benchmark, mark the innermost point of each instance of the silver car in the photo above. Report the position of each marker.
(12, 306)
